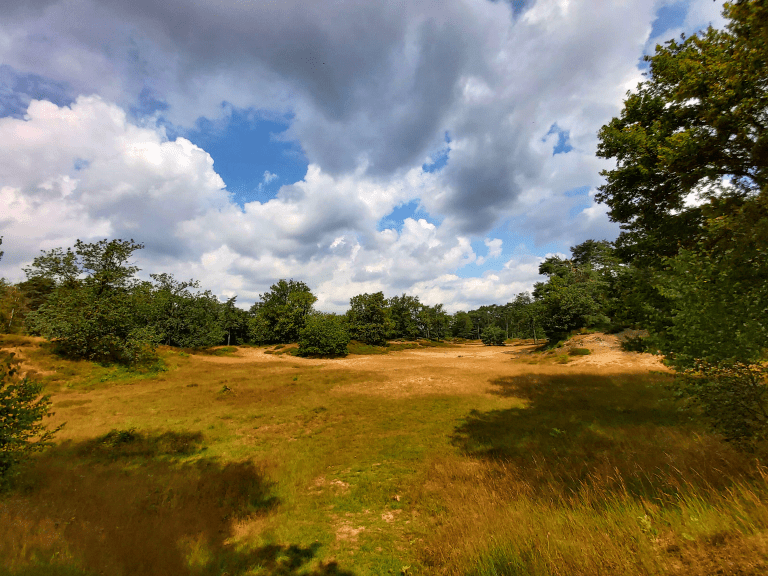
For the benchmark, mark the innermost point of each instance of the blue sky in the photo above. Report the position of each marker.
(443, 151)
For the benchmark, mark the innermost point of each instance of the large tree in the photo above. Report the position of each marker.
(368, 318)
(571, 298)
(696, 126)
(282, 312)
(404, 315)
(92, 312)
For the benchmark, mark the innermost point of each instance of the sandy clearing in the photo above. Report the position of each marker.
(461, 369)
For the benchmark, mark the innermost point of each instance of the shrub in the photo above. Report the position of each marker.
(493, 336)
(580, 352)
(21, 409)
(636, 344)
(733, 398)
(323, 335)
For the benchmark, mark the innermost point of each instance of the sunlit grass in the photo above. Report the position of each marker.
(290, 466)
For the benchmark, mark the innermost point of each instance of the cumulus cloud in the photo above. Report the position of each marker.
(87, 172)
(372, 88)
(371, 85)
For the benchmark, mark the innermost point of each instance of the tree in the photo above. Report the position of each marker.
(323, 335)
(718, 292)
(697, 125)
(282, 312)
(21, 410)
(697, 128)
(461, 325)
(570, 299)
(404, 316)
(91, 313)
(526, 317)
(368, 319)
(733, 398)
(434, 321)
(233, 320)
(493, 336)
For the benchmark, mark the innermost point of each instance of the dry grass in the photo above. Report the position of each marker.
(443, 460)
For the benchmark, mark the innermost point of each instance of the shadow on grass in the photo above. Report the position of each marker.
(130, 503)
(621, 433)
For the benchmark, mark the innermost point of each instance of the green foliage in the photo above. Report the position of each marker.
(323, 335)
(21, 410)
(733, 398)
(282, 312)
(16, 301)
(434, 321)
(718, 290)
(92, 312)
(181, 317)
(461, 325)
(493, 336)
(404, 316)
(99, 327)
(234, 321)
(368, 318)
(258, 329)
(572, 298)
(636, 344)
(697, 125)
(579, 352)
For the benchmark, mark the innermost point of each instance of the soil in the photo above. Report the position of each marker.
(465, 368)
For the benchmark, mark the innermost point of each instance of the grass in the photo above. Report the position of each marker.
(579, 352)
(360, 348)
(300, 467)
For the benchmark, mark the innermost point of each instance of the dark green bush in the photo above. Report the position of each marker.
(21, 410)
(323, 335)
(733, 398)
(493, 336)
(580, 352)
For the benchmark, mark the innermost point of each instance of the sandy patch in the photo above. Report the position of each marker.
(607, 355)
(461, 369)
(347, 532)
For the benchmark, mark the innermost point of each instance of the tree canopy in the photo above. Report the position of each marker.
(696, 126)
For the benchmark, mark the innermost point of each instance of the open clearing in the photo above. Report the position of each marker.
(453, 459)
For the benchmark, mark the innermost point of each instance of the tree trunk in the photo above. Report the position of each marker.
(533, 327)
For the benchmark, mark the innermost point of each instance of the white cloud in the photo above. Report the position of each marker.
(372, 88)
(495, 82)
(86, 172)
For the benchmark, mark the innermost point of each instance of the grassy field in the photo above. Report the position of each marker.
(430, 460)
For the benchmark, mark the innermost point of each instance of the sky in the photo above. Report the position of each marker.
(437, 148)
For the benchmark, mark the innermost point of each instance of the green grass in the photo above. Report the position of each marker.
(360, 348)
(296, 467)
(579, 352)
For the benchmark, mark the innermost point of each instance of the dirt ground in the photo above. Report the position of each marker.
(465, 368)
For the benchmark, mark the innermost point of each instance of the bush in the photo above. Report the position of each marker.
(21, 409)
(323, 335)
(96, 327)
(733, 398)
(636, 344)
(493, 336)
(580, 352)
